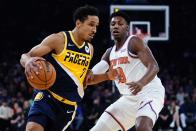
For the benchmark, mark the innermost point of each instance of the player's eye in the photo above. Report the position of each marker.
(92, 25)
(112, 24)
(120, 24)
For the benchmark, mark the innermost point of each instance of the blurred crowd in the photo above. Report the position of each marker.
(179, 112)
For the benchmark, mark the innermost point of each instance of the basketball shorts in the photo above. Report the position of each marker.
(122, 114)
(52, 114)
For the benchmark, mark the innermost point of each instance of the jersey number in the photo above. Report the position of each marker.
(122, 78)
(84, 70)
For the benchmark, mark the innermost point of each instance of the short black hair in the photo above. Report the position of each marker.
(82, 13)
(121, 14)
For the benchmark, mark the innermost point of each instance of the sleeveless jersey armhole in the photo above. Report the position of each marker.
(130, 52)
(65, 45)
(107, 59)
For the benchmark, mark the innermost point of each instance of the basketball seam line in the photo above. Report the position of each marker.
(45, 82)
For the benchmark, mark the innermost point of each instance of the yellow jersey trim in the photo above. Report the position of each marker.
(72, 38)
(39, 96)
(61, 99)
(65, 45)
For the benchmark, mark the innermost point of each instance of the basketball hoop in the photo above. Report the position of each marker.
(144, 36)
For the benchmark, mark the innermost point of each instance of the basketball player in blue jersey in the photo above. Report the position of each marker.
(70, 53)
(142, 93)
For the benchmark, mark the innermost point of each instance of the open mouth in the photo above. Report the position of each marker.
(115, 32)
(91, 35)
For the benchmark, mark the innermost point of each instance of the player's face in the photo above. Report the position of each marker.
(88, 28)
(118, 27)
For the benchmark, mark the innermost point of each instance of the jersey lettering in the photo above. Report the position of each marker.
(121, 60)
(76, 58)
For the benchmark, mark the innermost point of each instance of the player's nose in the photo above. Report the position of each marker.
(94, 30)
(115, 26)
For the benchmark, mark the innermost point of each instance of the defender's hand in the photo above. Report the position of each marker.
(112, 74)
(135, 87)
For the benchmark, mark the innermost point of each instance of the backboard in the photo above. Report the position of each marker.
(147, 21)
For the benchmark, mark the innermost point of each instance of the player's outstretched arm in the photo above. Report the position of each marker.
(99, 71)
(92, 79)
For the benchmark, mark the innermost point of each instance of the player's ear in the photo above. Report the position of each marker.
(78, 23)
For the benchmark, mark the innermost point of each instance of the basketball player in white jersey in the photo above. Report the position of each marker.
(142, 93)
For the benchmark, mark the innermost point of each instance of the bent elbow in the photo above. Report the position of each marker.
(156, 69)
(24, 57)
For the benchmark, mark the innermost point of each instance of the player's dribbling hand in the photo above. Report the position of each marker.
(135, 87)
(32, 66)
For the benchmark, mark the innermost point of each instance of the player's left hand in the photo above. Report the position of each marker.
(89, 77)
(112, 74)
(135, 87)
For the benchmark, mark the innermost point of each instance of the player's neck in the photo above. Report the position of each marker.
(77, 37)
(120, 42)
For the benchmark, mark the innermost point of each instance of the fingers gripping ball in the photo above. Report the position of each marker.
(45, 77)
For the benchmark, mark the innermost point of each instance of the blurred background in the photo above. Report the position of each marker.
(24, 24)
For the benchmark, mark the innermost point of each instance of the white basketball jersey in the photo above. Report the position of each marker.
(130, 67)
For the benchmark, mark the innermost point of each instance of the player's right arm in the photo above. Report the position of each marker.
(50, 43)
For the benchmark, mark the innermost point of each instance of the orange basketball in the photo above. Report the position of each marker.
(45, 77)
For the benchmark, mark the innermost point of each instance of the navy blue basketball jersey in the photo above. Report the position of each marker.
(71, 67)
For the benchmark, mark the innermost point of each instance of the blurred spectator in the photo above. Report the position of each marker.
(26, 107)
(164, 120)
(189, 87)
(95, 112)
(17, 121)
(5, 114)
(188, 114)
(174, 110)
(180, 96)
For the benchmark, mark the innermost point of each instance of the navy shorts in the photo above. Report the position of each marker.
(50, 113)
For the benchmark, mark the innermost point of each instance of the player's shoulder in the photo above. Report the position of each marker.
(136, 44)
(135, 40)
(56, 37)
(109, 49)
(106, 55)
(54, 40)
(59, 35)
